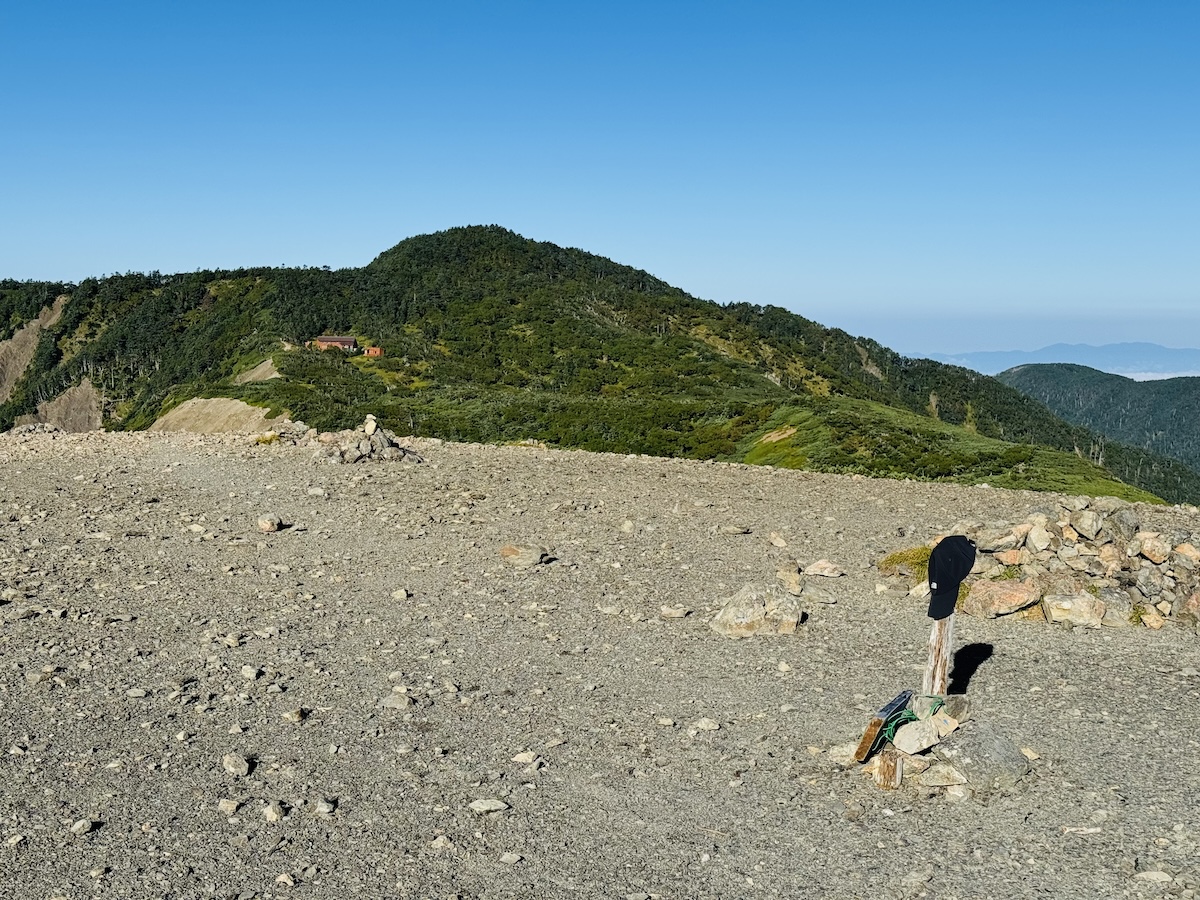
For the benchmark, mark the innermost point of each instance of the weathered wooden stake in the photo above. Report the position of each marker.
(941, 641)
(889, 770)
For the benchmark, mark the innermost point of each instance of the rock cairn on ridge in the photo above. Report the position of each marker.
(368, 442)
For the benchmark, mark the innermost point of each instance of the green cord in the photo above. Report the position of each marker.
(900, 719)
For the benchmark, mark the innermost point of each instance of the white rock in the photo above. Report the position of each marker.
(268, 522)
(488, 805)
(236, 764)
(707, 724)
(825, 569)
(83, 826)
(511, 859)
(227, 807)
(1154, 876)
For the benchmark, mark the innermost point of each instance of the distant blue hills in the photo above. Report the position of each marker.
(1136, 360)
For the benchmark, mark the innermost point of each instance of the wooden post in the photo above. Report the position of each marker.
(941, 641)
(889, 769)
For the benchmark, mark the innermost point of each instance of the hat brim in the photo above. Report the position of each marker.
(942, 603)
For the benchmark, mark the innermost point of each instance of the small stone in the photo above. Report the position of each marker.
(521, 556)
(777, 540)
(674, 612)
(942, 775)
(250, 673)
(945, 723)
(665, 722)
(294, 715)
(324, 808)
(236, 764)
(443, 844)
(525, 757)
(1154, 877)
(227, 807)
(269, 522)
(285, 879)
(958, 792)
(83, 826)
(1029, 754)
(916, 736)
(401, 594)
(486, 806)
(842, 754)
(707, 724)
(273, 811)
(824, 569)
(1153, 620)
(511, 859)
(397, 701)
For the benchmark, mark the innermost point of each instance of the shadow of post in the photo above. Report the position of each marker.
(967, 661)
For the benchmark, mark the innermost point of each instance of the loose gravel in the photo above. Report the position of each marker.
(373, 700)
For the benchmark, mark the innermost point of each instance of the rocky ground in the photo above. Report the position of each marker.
(374, 701)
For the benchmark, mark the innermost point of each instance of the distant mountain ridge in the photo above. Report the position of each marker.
(1137, 360)
(1161, 417)
(488, 336)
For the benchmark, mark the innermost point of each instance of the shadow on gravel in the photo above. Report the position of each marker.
(967, 661)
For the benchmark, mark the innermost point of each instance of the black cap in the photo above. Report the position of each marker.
(949, 563)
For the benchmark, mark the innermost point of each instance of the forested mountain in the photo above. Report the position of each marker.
(490, 336)
(1162, 417)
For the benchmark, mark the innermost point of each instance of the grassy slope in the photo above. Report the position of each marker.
(492, 337)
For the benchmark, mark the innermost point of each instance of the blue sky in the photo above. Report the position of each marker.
(940, 176)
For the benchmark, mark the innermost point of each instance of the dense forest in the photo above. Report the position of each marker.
(1161, 417)
(489, 336)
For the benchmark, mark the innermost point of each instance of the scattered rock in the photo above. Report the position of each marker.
(989, 599)
(824, 569)
(754, 611)
(269, 522)
(487, 806)
(988, 759)
(236, 764)
(1076, 609)
(521, 556)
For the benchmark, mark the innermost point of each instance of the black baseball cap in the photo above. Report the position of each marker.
(949, 563)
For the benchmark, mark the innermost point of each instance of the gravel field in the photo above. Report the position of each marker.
(372, 702)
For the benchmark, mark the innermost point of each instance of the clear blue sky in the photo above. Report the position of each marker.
(941, 176)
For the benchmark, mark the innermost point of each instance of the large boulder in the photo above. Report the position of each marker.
(1075, 609)
(988, 759)
(989, 599)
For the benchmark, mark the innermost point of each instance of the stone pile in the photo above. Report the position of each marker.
(1084, 563)
(369, 441)
(940, 751)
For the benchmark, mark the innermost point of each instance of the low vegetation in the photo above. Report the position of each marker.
(488, 336)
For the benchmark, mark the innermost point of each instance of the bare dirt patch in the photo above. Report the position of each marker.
(17, 351)
(264, 371)
(214, 416)
(778, 434)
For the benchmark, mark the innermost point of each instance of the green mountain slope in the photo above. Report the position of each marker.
(489, 336)
(1162, 417)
